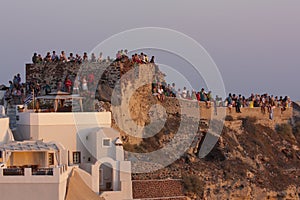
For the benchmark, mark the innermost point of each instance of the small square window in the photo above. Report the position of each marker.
(106, 142)
(76, 157)
(51, 158)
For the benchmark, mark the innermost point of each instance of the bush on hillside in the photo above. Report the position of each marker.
(286, 132)
(229, 118)
(248, 124)
(284, 129)
(297, 128)
(133, 148)
(192, 184)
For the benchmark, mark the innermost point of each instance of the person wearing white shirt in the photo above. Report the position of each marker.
(184, 92)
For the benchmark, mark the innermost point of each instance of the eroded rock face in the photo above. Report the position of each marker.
(243, 165)
(250, 161)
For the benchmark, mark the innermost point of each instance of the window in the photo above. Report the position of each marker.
(51, 158)
(76, 157)
(106, 142)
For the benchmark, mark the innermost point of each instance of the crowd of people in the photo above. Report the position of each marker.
(16, 92)
(62, 57)
(86, 81)
(141, 58)
(266, 102)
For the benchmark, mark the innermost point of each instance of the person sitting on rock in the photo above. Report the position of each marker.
(173, 90)
(161, 93)
(178, 94)
(152, 59)
(19, 79)
(238, 104)
(34, 58)
(155, 92)
(93, 58)
(47, 57)
(54, 57)
(188, 95)
(146, 59)
(203, 95)
(193, 96)
(118, 56)
(137, 59)
(143, 58)
(71, 58)
(183, 93)
(229, 102)
(78, 59)
(100, 58)
(63, 57)
(85, 57)
(39, 59)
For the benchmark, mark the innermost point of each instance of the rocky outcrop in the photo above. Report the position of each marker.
(250, 161)
(253, 158)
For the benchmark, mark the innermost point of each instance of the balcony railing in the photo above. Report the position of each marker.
(13, 172)
(33, 171)
(42, 172)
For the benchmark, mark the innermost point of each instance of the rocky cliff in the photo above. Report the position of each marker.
(254, 157)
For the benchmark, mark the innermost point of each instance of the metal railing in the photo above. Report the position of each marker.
(42, 172)
(13, 172)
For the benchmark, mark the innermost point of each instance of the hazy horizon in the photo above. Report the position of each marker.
(254, 44)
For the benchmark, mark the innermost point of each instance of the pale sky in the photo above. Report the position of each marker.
(255, 44)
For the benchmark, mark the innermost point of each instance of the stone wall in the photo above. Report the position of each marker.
(107, 74)
(157, 189)
(53, 72)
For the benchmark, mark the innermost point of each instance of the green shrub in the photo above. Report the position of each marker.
(286, 132)
(150, 144)
(297, 128)
(133, 148)
(248, 124)
(228, 118)
(192, 184)
(284, 129)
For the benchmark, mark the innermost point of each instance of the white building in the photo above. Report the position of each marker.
(31, 170)
(58, 143)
